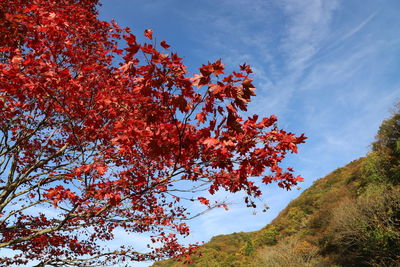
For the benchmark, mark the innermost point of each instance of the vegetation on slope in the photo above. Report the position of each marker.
(349, 218)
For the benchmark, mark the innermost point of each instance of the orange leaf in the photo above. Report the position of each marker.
(209, 142)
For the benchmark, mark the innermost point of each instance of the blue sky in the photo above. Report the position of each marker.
(329, 69)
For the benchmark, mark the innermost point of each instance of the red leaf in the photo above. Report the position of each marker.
(203, 201)
(164, 44)
(101, 169)
(200, 117)
(246, 68)
(218, 67)
(215, 88)
(148, 33)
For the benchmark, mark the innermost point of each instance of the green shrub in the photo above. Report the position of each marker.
(267, 236)
(374, 169)
(367, 231)
(387, 147)
(248, 249)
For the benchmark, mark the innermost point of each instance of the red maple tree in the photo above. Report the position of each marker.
(100, 132)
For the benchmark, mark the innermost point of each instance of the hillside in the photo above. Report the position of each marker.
(351, 217)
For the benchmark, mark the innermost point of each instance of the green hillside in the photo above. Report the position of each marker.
(351, 217)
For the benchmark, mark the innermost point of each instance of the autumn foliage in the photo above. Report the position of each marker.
(100, 132)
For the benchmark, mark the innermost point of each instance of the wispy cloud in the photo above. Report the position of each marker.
(307, 27)
(359, 27)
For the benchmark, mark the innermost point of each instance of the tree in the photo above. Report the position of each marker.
(100, 132)
(388, 136)
(384, 160)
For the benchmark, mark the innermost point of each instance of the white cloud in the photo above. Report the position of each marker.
(359, 27)
(307, 27)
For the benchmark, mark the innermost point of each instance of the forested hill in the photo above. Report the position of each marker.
(351, 217)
